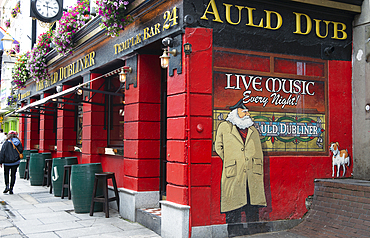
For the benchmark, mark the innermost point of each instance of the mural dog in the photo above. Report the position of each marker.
(340, 158)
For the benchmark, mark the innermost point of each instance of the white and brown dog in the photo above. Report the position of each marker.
(340, 158)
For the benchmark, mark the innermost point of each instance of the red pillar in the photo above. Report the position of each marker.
(189, 129)
(33, 129)
(66, 135)
(47, 135)
(22, 121)
(93, 134)
(142, 127)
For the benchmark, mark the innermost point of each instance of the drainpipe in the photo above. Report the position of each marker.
(187, 73)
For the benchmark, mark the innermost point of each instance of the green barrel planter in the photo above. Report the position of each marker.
(37, 163)
(22, 167)
(57, 172)
(82, 185)
(23, 162)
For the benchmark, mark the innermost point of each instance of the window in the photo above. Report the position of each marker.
(79, 125)
(13, 125)
(115, 113)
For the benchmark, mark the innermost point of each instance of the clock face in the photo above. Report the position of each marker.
(47, 8)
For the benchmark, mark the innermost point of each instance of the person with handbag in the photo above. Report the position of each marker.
(10, 155)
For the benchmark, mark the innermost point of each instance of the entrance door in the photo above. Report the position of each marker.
(163, 142)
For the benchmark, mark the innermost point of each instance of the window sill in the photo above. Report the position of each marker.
(74, 148)
(110, 151)
(52, 147)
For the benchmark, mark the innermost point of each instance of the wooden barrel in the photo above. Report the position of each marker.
(23, 162)
(37, 163)
(82, 185)
(58, 172)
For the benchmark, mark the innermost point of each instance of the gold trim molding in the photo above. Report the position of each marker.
(332, 4)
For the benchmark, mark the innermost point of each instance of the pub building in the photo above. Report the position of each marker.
(167, 107)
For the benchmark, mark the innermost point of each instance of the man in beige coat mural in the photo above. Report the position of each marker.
(239, 146)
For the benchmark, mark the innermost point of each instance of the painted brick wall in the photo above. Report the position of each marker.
(47, 135)
(191, 148)
(142, 127)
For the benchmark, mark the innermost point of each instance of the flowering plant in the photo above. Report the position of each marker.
(12, 52)
(113, 17)
(16, 48)
(69, 24)
(20, 73)
(37, 60)
(16, 9)
(12, 99)
(7, 23)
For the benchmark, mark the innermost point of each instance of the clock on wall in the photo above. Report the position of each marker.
(46, 10)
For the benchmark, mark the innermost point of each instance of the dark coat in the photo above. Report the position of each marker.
(9, 154)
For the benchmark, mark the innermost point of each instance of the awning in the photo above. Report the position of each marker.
(69, 91)
(48, 98)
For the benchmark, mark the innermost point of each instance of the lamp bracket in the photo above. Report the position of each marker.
(172, 52)
(175, 62)
(132, 77)
(127, 69)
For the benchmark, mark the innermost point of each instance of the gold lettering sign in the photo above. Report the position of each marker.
(68, 71)
(303, 22)
(170, 20)
(24, 95)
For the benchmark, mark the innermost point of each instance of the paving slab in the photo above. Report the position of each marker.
(9, 231)
(280, 234)
(44, 235)
(87, 231)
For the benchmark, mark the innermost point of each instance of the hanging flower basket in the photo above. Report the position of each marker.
(37, 60)
(20, 73)
(16, 10)
(7, 23)
(11, 100)
(113, 17)
(69, 24)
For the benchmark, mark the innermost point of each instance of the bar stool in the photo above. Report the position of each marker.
(66, 184)
(47, 173)
(104, 176)
(26, 170)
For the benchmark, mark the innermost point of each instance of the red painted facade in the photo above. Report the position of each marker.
(288, 179)
(193, 169)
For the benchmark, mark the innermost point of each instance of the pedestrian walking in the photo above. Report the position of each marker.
(10, 156)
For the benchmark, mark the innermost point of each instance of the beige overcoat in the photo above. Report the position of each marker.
(242, 163)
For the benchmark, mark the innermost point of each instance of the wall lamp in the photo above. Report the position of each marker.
(165, 58)
(59, 88)
(123, 73)
(79, 92)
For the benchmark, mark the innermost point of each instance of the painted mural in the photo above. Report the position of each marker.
(340, 159)
(264, 104)
(239, 146)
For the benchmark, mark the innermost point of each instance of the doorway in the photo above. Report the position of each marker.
(163, 139)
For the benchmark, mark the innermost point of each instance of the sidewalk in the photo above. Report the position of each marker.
(280, 234)
(35, 213)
